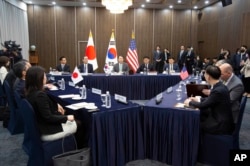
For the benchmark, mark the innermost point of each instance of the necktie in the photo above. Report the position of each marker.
(146, 66)
(62, 67)
(120, 67)
(85, 68)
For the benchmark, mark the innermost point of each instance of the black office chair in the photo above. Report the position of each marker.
(215, 149)
(15, 125)
(41, 152)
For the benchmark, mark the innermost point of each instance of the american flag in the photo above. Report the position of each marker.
(184, 73)
(132, 57)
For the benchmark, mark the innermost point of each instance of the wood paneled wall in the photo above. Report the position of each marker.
(63, 31)
(224, 27)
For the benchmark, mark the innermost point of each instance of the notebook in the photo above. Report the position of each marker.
(196, 89)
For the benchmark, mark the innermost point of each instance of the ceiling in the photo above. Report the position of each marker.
(150, 4)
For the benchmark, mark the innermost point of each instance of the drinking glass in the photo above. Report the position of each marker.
(80, 91)
(178, 94)
(103, 98)
(197, 75)
(59, 83)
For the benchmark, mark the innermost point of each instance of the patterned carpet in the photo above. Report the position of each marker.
(11, 153)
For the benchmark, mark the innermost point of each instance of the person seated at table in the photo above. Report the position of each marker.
(63, 67)
(234, 85)
(52, 122)
(85, 67)
(121, 66)
(146, 66)
(20, 73)
(215, 110)
(171, 66)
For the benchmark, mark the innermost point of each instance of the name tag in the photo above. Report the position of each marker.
(96, 91)
(71, 83)
(121, 98)
(159, 97)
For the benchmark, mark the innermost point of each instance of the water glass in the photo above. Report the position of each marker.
(103, 98)
(59, 83)
(178, 94)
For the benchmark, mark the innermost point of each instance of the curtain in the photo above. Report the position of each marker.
(14, 25)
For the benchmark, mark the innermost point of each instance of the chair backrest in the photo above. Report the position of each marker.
(33, 142)
(240, 116)
(9, 94)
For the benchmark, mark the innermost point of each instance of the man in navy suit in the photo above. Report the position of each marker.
(146, 65)
(171, 67)
(238, 59)
(181, 57)
(219, 119)
(63, 67)
(121, 66)
(234, 86)
(85, 67)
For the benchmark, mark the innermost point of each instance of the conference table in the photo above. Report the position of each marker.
(115, 134)
(127, 132)
(171, 134)
(134, 87)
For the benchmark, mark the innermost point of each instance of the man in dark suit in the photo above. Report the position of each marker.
(189, 62)
(234, 86)
(181, 57)
(63, 67)
(219, 119)
(165, 55)
(171, 67)
(85, 67)
(146, 66)
(158, 59)
(121, 66)
(238, 59)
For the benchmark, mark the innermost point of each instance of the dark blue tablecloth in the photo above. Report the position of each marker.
(171, 135)
(115, 134)
(134, 87)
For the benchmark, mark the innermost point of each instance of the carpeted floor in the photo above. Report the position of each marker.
(11, 153)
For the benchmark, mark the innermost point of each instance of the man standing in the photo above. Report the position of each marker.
(158, 59)
(121, 66)
(85, 67)
(181, 57)
(189, 60)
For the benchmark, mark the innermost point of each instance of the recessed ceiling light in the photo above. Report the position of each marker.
(171, 6)
(206, 2)
(53, 3)
(179, 1)
(195, 7)
(84, 3)
(142, 5)
(147, 0)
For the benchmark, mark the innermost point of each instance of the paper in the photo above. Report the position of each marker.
(121, 98)
(67, 96)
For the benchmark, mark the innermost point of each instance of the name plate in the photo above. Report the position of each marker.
(121, 98)
(96, 91)
(159, 96)
(71, 83)
(170, 89)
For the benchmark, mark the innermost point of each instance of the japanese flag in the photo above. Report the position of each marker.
(76, 76)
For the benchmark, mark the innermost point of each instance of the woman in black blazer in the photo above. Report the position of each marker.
(52, 122)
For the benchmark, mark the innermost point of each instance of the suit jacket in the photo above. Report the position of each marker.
(236, 89)
(48, 118)
(181, 58)
(175, 67)
(141, 68)
(220, 119)
(157, 55)
(90, 68)
(65, 69)
(125, 67)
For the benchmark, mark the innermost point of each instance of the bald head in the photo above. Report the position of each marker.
(226, 71)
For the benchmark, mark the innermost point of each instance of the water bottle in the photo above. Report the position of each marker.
(108, 100)
(63, 84)
(50, 70)
(167, 70)
(144, 71)
(84, 92)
